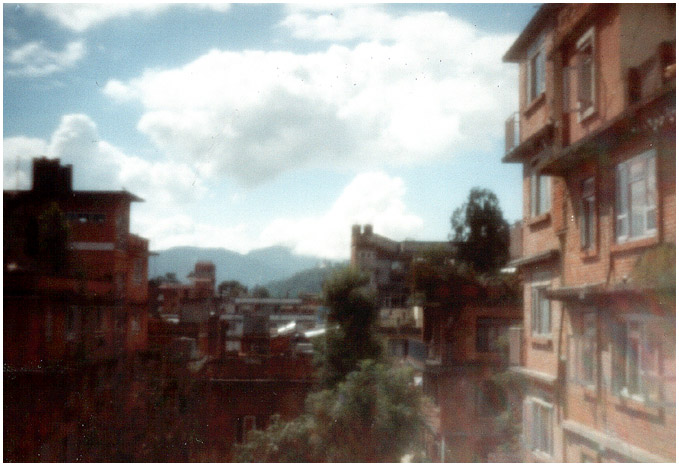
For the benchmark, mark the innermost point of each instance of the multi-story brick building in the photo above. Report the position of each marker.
(387, 263)
(75, 297)
(596, 135)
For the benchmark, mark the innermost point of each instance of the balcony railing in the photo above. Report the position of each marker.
(512, 132)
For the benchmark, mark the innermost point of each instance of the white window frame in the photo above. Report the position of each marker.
(588, 218)
(625, 208)
(535, 71)
(538, 426)
(586, 106)
(640, 347)
(540, 194)
(541, 310)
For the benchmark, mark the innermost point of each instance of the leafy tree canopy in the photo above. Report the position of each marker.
(375, 415)
(260, 292)
(480, 232)
(232, 289)
(352, 306)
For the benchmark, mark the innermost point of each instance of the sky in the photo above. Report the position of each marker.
(250, 125)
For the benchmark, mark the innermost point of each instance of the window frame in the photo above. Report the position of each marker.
(588, 214)
(632, 373)
(540, 194)
(537, 318)
(536, 73)
(625, 208)
(538, 426)
(586, 41)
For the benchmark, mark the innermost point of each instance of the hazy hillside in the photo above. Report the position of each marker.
(255, 268)
(306, 281)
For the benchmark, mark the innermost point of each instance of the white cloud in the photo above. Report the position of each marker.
(373, 197)
(82, 16)
(180, 229)
(16, 160)
(100, 165)
(35, 60)
(405, 90)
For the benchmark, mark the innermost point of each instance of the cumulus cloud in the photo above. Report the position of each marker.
(35, 60)
(372, 197)
(79, 17)
(100, 165)
(401, 90)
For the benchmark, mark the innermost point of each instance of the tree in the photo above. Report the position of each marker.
(232, 289)
(375, 415)
(480, 232)
(260, 292)
(51, 245)
(352, 307)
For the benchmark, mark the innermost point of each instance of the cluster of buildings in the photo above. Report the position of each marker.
(100, 366)
(454, 337)
(587, 351)
(581, 354)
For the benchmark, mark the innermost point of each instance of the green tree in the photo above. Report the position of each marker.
(374, 415)
(352, 307)
(232, 289)
(480, 232)
(260, 292)
(52, 240)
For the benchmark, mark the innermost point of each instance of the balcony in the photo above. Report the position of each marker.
(512, 132)
(651, 76)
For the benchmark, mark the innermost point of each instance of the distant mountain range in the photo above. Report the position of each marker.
(258, 267)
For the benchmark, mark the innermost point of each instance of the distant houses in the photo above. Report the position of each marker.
(97, 367)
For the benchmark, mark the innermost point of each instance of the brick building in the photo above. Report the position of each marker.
(596, 135)
(387, 263)
(75, 305)
(465, 330)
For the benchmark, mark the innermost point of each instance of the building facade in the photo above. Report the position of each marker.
(387, 263)
(75, 307)
(596, 135)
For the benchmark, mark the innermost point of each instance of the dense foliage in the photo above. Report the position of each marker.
(351, 317)
(375, 415)
(480, 232)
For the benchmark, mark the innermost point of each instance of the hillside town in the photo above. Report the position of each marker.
(550, 339)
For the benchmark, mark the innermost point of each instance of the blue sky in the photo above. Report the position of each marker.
(248, 125)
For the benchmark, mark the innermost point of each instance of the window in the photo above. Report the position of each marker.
(636, 197)
(540, 199)
(138, 271)
(586, 75)
(541, 312)
(537, 425)
(86, 217)
(582, 352)
(489, 333)
(588, 214)
(243, 426)
(72, 322)
(535, 71)
(637, 362)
